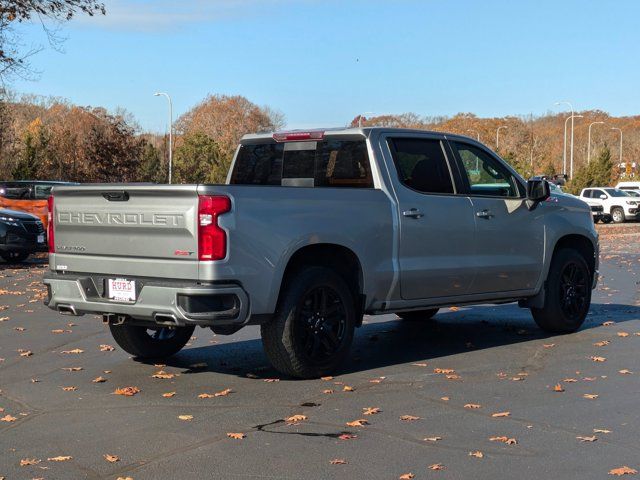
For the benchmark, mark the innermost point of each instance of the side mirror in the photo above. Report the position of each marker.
(603, 196)
(538, 190)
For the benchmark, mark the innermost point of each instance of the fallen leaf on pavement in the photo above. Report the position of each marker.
(99, 380)
(106, 348)
(477, 454)
(623, 471)
(549, 345)
(25, 353)
(419, 364)
(8, 419)
(623, 334)
(406, 476)
(625, 372)
(598, 359)
(569, 380)
(69, 389)
(501, 414)
(72, 369)
(371, 410)
(295, 419)
(444, 371)
(163, 375)
(127, 391)
(347, 436)
(327, 391)
(347, 388)
(168, 394)
(338, 461)
(186, 418)
(558, 388)
(29, 461)
(504, 439)
(432, 439)
(603, 343)
(61, 458)
(111, 458)
(74, 351)
(590, 396)
(236, 436)
(436, 466)
(608, 323)
(358, 423)
(472, 406)
(588, 439)
(409, 418)
(326, 379)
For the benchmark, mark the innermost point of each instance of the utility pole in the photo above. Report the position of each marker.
(498, 135)
(158, 94)
(571, 161)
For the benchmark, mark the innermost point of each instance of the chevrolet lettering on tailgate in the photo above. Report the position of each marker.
(121, 218)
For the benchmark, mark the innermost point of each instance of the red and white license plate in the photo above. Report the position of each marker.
(121, 290)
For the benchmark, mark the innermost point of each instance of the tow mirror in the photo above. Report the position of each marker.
(538, 190)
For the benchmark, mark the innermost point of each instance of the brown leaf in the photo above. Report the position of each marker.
(623, 334)
(8, 419)
(477, 454)
(69, 389)
(432, 439)
(163, 375)
(74, 351)
(347, 388)
(608, 323)
(222, 393)
(601, 430)
(347, 436)
(236, 436)
(338, 461)
(371, 410)
(623, 471)
(504, 439)
(127, 391)
(99, 380)
(436, 466)
(472, 406)
(444, 371)
(602, 343)
(501, 414)
(25, 353)
(590, 396)
(408, 418)
(72, 369)
(598, 359)
(295, 418)
(107, 348)
(558, 388)
(168, 394)
(549, 345)
(358, 423)
(569, 380)
(271, 380)
(588, 439)
(186, 418)
(419, 364)
(111, 458)
(625, 372)
(61, 458)
(326, 379)
(406, 476)
(327, 391)
(29, 461)
(445, 399)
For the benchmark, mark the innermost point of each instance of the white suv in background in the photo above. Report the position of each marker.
(617, 203)
(629, 186)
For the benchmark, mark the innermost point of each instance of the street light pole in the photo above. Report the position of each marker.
(476, 132)
(589, 141)
(498, 135)
(615, 128)
(571, 162)
(564, 148)
(157, 94)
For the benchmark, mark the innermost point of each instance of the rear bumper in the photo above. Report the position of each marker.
(163, 302)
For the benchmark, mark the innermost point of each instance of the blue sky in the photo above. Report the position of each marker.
(323, 62)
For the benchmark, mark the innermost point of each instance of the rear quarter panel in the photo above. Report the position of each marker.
(267, 225)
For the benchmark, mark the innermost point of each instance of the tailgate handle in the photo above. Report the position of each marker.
(118, 196)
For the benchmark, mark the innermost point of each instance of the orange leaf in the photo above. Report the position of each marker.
(358, 423)
(127, 391)
(168, 394)
(590, 396)
(477, 454)
(623, 334)
(408, 418)
(111, 458)
(371, 410)
(347, 388)
(472, 406)
(406, 476)
(501, 414)
(99, 380)
(295, 418)
(504, 439)
(74, 351)
(625, 372)
(8, 419)
(29, 461)
(163, 375)
(623, 471)
(186, 418)
(236, 436)
(106, 348)
(338, 461)
(598, 359)
(558, 388)
(436, 466)
(347, 436)
(432, 439)
(60, 458)
(588, 439)
(69, 389)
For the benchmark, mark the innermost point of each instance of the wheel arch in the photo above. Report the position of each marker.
(338, 258)
(582, 244)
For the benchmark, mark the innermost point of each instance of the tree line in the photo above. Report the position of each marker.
(52, 138)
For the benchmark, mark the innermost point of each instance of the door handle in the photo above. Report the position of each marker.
(413, 213)
(485, 214)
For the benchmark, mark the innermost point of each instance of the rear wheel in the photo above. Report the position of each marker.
(143, 342)
(312, 329)
(418, 315)
(14, 257)
(567, 293)
(617, 214)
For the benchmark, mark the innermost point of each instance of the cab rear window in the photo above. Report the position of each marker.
(328, 163)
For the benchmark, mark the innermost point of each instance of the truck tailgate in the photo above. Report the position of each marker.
(142, 230)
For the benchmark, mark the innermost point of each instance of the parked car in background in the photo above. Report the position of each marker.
(629, 186)
(617, 203)
(28, 196)
(21, 234)
(312, 231)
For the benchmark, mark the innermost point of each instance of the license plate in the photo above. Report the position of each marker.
(40, 238)
(122, 290)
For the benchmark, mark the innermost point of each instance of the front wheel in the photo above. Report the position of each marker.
(567, 293)
(143, 342)
(312, 329)
(418, 315)
(617, 214)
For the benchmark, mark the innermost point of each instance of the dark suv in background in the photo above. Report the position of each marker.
(21, 234)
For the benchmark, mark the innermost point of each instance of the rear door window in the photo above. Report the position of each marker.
(422, 165)
(329, 163)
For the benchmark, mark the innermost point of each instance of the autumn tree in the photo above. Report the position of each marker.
(226, 119)
(50, 13)
(199, 160)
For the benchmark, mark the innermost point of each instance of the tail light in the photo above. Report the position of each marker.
(50, 230)
(212, 240)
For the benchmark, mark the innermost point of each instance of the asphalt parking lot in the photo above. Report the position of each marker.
(478, 393)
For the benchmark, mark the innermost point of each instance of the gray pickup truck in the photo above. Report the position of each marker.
(311, 231)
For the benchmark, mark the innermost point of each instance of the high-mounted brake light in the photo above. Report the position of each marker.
(298, 136)
(50, 217)
(212, 240)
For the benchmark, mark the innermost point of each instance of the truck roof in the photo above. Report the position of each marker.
(364, 131)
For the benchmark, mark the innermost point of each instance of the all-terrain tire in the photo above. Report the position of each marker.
(418, 315)
(142, 342)
(617, 214)
(299, 333)
(567, 293)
